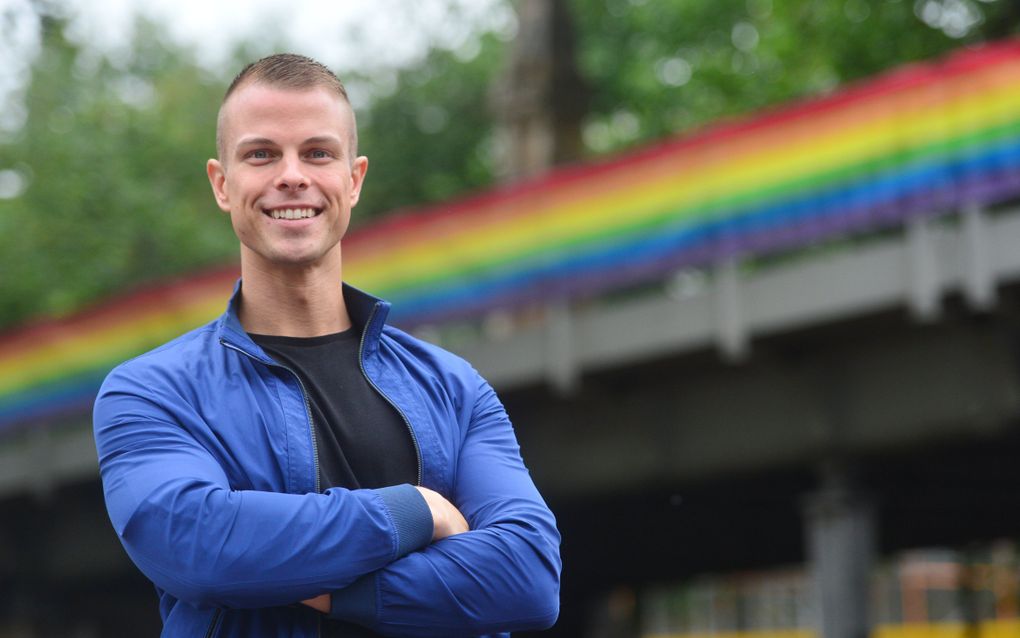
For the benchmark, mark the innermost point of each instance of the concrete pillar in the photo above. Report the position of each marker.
(979, 271)
(561, 361)
(731, 325)
(840, 533)
(924, 293)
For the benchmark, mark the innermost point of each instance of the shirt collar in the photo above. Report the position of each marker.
(367, 312)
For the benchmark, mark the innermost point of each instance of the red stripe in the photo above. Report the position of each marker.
(152, 299)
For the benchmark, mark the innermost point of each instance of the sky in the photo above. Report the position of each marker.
(363, 31)
(343, 34)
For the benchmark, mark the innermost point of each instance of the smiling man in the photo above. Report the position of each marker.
(298, 467)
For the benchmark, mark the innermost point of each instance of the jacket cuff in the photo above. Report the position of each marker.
(356, 602)
(411, 517)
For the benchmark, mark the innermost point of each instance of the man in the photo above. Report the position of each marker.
(297, 467)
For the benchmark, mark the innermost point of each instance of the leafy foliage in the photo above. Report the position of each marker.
(431, 137)
(114, 191)
(663, 66)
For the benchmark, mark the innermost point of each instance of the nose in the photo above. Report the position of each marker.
(291, 176)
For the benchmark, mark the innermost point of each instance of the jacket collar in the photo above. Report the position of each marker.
(367, 313)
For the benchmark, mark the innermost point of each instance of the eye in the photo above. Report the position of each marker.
(258, 155)
(320, 154)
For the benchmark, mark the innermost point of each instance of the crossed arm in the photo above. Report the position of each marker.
(446, 521)
(207, 544)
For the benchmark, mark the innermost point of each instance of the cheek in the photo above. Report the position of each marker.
(243, 219)
(338, 186)
(243, 191)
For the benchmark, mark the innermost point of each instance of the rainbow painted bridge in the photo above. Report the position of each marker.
(921, 140)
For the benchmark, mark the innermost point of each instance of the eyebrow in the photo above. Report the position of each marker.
(318, 139)
(323, 139)
(248, 141)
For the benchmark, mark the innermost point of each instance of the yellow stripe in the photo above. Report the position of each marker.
(80, 353)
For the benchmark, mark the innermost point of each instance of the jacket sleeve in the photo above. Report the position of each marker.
(170, 502)
(503, 575)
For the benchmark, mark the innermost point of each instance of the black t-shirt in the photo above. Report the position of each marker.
(361, 439)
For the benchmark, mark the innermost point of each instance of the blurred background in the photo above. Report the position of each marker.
(746, 274)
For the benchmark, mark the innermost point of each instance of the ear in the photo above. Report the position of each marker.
(359, 167)
(218, 179)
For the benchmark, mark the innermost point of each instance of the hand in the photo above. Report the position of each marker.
(446, 519)
(319, 603)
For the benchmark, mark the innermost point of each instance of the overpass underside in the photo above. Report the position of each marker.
(887, 433)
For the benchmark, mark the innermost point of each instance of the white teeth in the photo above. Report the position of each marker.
(292, 213)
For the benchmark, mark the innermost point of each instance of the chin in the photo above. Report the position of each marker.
(302, 260)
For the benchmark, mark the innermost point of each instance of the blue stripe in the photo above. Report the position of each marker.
(50, 398)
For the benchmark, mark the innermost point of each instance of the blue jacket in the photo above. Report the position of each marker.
(210, 475)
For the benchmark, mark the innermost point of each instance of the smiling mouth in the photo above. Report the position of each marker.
(291, 213)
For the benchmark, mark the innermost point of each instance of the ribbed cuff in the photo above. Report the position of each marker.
(411, 516)
(356, 602)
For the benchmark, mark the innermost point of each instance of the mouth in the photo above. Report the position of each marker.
(291, 212)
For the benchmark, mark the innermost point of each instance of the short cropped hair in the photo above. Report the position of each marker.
(286, 71)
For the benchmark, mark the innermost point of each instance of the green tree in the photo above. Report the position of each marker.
(430, 137)
(659, 67)
(113, 195)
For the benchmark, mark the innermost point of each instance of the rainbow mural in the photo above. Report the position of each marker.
(924, 139)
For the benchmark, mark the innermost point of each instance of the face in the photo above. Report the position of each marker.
(286, 176)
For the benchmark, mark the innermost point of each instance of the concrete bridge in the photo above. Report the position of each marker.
(817, 378)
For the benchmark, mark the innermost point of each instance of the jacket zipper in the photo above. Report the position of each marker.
(212, 625)
(315, 449)
(311, 423)
(361, 364)
(308, 408)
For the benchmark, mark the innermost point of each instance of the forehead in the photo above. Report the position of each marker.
(271, 112)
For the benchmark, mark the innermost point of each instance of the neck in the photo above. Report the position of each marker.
(292, 301)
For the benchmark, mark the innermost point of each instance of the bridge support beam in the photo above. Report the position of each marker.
(841, 546)
(979, 271)
(730, 319)
(561, 363)
(924, 293)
